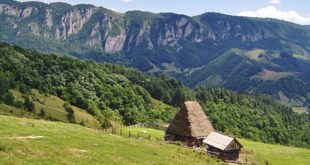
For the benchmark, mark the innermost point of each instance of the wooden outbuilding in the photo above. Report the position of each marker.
(190, 125)
(222, 146)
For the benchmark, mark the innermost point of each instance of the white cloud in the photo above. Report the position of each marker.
(273, 12)
(126, 1)
(275, 2)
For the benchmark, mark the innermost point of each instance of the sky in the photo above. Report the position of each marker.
(297, 11)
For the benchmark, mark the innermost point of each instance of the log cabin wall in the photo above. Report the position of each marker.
(233, 145)
(190, 141)
(231, 154)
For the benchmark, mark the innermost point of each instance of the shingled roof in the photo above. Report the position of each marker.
(219, 141)
(190, 121)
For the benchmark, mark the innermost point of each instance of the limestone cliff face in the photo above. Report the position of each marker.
(108, 33)
(15, 11)
(73, 21)
(223, 29)
(94, 37)
(144, 36)
(181, 29)
(113, 32)
(113, 36)
(48, 21)
(114, 43)
(107, 30)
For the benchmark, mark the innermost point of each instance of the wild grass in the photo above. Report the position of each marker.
(28, 141)
(53, 108)
(145, 133)
(62, 143)
(267, 75)
(255, 152)
(275, 154)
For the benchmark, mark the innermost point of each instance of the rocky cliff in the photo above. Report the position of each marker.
(114, 32)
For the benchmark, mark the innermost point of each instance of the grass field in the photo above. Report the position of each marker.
(28, 141)
(256, 152)
(145, 133)
(267, 75)
(275, 154)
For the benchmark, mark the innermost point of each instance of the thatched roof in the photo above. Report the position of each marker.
(190, 121)
(219, 141)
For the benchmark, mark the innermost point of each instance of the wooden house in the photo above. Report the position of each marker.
(222, 146)
(190, 125)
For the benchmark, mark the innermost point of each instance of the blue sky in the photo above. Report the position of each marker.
(297, 11)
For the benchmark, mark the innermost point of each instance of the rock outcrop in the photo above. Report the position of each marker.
(16, 11)
(112, 32)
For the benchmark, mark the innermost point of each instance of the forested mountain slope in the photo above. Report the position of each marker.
(31, 81)
(104, 90)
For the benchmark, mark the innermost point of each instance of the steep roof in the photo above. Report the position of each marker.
(190, 121)
(219, 141)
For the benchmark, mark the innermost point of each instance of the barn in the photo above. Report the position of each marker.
(190, 125)
(222, 146)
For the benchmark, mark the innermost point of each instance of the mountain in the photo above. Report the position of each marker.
(243, 54)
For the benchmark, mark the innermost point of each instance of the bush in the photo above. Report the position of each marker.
(71, 115)
(42, 113)
(29, 105)
(9, 98)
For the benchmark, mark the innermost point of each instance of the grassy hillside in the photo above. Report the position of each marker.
(108, 92)
(257, 152)
(275, 154)
(27, 141)
(49, 107)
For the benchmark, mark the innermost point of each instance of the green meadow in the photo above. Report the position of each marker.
(256, 152)
(53, 108)
(274, 154)
(28, 141)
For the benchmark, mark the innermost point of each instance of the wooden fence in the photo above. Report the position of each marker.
(125, 131)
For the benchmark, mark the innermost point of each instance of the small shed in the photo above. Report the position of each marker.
(190, 125)
(222, 146)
